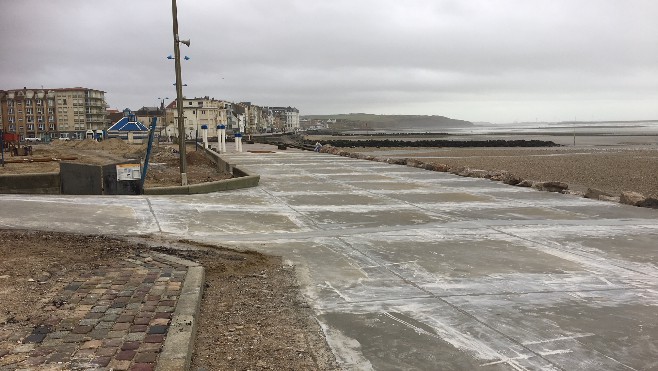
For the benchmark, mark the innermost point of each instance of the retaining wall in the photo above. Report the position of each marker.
(37, 183)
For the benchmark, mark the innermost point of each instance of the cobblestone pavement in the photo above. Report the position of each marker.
(111, 318)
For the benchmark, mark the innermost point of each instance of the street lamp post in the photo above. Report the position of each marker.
(179, 95)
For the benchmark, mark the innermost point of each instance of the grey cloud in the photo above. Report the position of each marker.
(479, 60)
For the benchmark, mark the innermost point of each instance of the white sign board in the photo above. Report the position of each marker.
(129, 172)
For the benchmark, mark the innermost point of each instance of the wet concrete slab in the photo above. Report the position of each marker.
(413, 269)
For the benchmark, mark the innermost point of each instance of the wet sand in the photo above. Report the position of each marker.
(612, 163)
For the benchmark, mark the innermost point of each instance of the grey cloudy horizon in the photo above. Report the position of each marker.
(478, 60)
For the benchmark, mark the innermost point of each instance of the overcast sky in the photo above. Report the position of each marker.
(477, 60)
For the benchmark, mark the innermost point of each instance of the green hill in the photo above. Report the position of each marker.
(374, 122)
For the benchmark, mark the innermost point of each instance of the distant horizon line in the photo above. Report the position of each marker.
(484, 122)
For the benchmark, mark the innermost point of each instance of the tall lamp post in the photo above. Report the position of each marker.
(179, 95)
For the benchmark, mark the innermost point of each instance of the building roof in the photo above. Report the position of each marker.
(126, 125)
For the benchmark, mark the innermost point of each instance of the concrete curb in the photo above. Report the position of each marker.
(209, 187)
(179, 344)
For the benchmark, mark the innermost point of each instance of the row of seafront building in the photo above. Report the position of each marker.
(244, 116)
(49, 113)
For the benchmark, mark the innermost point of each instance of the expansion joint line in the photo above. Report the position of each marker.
(566, 251)
(309, 220)
(157, 222)
(453, 306)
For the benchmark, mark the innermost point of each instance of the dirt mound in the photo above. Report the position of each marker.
(198, 158)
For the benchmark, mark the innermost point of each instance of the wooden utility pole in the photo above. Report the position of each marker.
(179, 98)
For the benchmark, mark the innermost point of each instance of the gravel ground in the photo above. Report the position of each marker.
(611, 169)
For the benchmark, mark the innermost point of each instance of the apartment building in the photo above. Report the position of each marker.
(45, 113)
(196, 113)
(288, 117)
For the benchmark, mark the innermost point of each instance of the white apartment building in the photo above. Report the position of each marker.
(196, 113)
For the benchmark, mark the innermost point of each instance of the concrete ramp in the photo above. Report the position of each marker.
(410, 269)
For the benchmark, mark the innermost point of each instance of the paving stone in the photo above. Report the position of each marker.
(130, 345)
(142, 320)
(34, 338)
(102, 361)
(159, 322)
(155, 338)
(125, 318)
(74, 338)
(146, 357)
(138, 328)
(91, 344)
(110, 317)
(116, 334)
(151, 347)
(121, 326)
(82, 329)
(125, 355)
(119, 365)
(99, 334)
(42, 351)
(33, 361)
(158, 330)
(112, 342)
(106, 351)
(94, 315)
(51, 342)
(99, 309)
(135, 336)
(24, 348)
(104, 325)
(142, 367)
(85, 354)
(89, 322)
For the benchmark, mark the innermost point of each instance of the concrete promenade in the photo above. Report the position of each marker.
(413, 269)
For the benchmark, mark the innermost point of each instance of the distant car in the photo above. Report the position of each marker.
(33, 140)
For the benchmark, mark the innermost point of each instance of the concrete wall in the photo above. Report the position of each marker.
(242, 179)
(80, 179)
(43, 183)
(209, 187)
(74, 175)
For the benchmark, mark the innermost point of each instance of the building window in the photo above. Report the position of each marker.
(52, 126)
(40, 118)
(40, 126)
(10, 111)
(51, 118)
(30, 126)
(28, 102)
(39, 102)
(10, 103)
(51, 102)
(51, 111)
(12, 128)
(30, 119)
(28, 110)
(12, 119)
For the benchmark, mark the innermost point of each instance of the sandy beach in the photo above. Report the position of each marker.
(611, 163)
(609, 169)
